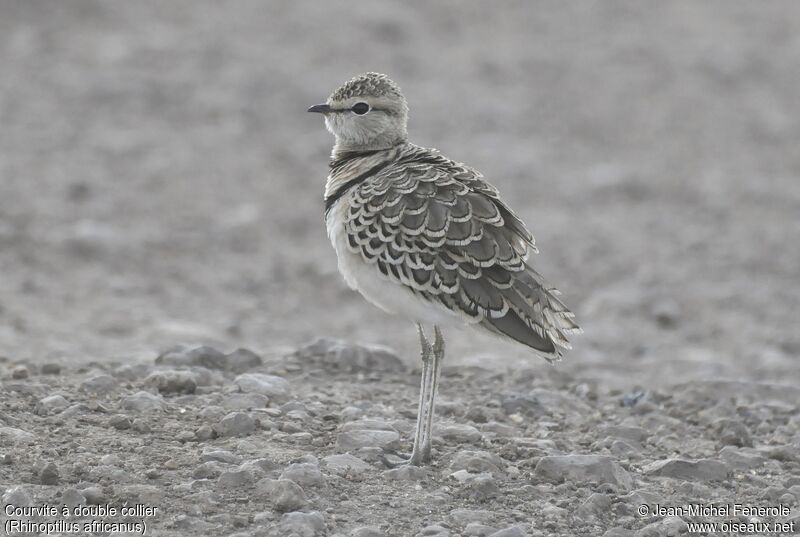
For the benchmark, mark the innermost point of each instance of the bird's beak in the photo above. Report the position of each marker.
(320, 108)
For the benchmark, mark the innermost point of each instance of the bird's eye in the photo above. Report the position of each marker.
(360, 108)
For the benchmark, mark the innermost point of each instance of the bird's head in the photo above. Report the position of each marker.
(367, 112)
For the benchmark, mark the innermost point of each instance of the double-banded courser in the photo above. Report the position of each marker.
(427, 238)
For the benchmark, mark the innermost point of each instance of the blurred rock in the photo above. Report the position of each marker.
(594, 507)
(406, 473)
(10, 436)
(477, 462)
(474, 529)
(268, 385)
(458, 433)
(51, 369)
(93, 495)
(48, 475)
(119, 422)
(582, 468)
(172, 381)
(235, 424)
(346, 357)
(101, 383)
(242, 360)
(481, 487)
(299, 524)
(208, 470)
(17, 496)
(234, 479)
(434, 530)
(304, 474)
(345, 464)
(668, 526)
(188, 356)
(72, 498)
(51, 405)
(142, 403)
(512, 531)
(732, 433)
(633, 398)
(690, 470)
(367, 531)
(283, 495)
(352, 440)
(220, 455)
(204, 432)
(245, 401)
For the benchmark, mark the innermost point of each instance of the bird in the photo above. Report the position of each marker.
(428, 239)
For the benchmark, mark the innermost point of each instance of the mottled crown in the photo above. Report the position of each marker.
(367, 85)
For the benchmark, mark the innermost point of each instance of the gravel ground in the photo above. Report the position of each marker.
(160, 190)
(240, 445)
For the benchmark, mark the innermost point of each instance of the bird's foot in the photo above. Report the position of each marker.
(418, 458)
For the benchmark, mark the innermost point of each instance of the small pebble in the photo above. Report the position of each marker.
(140, 425)
(94, 495)
(204, 432)
(345, 464)
(582, 468)
(172, 381)
(300, 524)
(142, 403)
(352, 440)
(459, 433)
(51, 369)
(220, 455)
(235, 424)
(71, 497)
(690, 470)
(284, 495)
(474, 529)
(17, 496)
(184, 436)
(20, 372)
(269, 385)
(304, 474)
(477, 462)
(242, 360)
(51, 405)
(120, 422)
(512, 531)
(433, 531)
(234, 479)
(245, 401)
(407, 473)
(101, 383)
(208, 470)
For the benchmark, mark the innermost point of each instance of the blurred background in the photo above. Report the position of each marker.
(161, 182)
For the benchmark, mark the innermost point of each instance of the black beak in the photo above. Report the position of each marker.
(320, 108)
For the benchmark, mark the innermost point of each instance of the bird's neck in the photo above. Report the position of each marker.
(346, 147)
(351, 166)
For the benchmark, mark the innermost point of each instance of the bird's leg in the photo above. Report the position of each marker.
(438, 356)
(426, 384)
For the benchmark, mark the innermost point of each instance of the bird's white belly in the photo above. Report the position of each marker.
(390, 296)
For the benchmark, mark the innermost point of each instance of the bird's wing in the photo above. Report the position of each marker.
(437, 228)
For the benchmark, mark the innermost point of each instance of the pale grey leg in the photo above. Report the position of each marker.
(423, 410)
(438, 356)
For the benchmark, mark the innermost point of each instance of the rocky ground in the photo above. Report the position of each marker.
(161, 185)
(242, 445)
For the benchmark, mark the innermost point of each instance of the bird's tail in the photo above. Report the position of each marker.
(536, 316)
